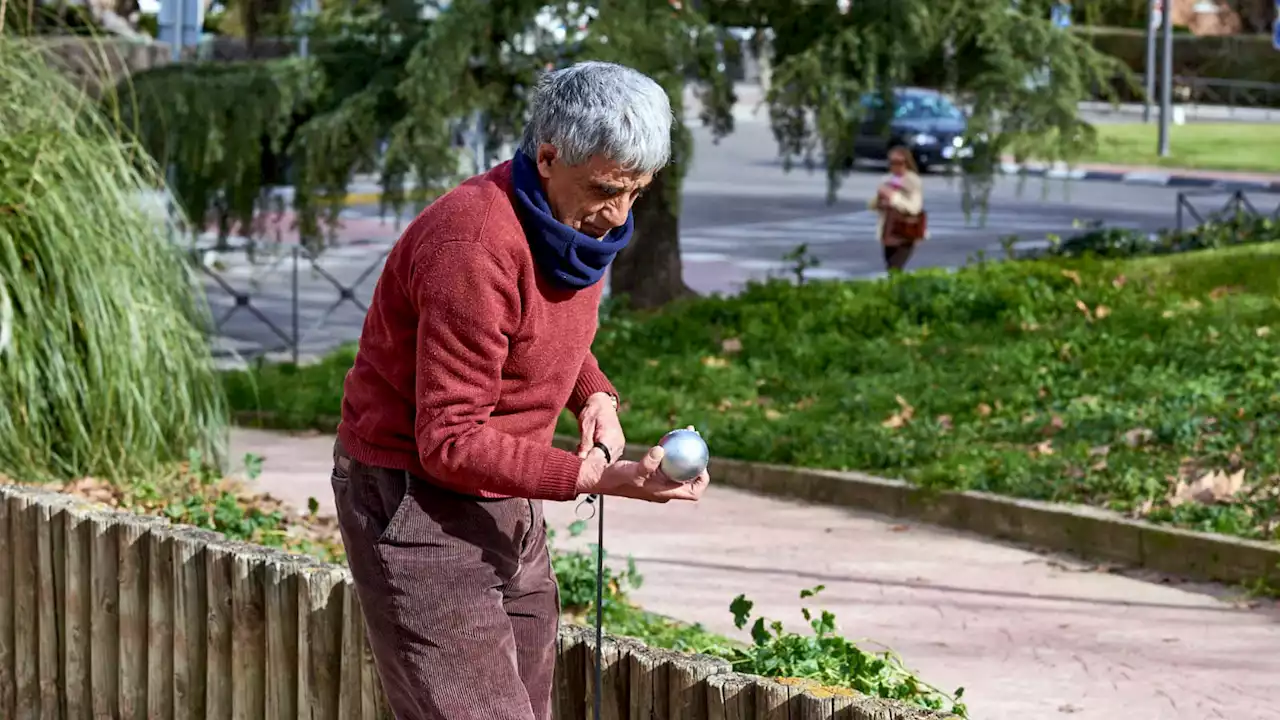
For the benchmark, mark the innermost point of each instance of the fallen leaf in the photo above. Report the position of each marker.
(1084, 309)
(1101, 311)
(771, 414)
(714, 361)
(1138, 437)
(1071, 275)
(1223, 291)
(1119, 282)
(1166, 314)
(1213, 486)
(1055, 424)
(651, 362)
(944, 421)
(805, 403)
(1263, 331)
(1044, 447)
(899, 528)
(724, 405)
(731, 345)
(902, 416)
(984, 410)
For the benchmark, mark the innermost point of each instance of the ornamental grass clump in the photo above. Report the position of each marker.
(103, 368)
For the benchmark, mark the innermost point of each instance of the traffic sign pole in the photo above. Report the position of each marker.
(1155, 9)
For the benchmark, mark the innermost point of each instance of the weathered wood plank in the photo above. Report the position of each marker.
(190, 618)
(248, 632)
(104, 618)
(8, 654)
(26, 671)
(570, 675)
(773, 700)
(686, 686)
(351, 684)
(160, 605)
(731, 696)
(281, 607)
(218, 648)
(319, 641)
(49, 560)
(77, 599)
(132, 554)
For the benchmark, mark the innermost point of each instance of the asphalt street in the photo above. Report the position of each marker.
(741, 213)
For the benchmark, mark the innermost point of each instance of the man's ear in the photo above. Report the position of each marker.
(547, 154)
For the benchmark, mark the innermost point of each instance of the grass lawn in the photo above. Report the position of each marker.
(1148, 386)
(1244, 147)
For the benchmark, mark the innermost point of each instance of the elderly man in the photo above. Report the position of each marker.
(478, 336)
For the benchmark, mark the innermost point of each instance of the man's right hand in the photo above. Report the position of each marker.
(638, 480)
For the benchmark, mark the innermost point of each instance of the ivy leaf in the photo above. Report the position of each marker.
(741, 609)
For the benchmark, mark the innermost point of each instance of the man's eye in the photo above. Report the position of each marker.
(610, 190)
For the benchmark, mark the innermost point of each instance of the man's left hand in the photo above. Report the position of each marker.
(599, 423)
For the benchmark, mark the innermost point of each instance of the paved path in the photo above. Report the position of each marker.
(1029, 636)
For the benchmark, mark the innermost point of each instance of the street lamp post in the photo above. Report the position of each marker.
(1154, 7)
(1166, 85)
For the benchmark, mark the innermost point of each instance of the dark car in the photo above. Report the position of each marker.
(924, 121)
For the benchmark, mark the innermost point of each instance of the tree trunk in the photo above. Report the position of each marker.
(649, 271)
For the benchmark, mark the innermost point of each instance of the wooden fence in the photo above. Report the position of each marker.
(106, 614)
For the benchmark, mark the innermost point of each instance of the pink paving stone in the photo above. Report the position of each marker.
(1028, 636)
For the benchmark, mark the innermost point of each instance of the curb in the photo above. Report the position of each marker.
(1138, 177)
(1087, 532)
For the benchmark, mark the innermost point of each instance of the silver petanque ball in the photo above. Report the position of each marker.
(686, 455)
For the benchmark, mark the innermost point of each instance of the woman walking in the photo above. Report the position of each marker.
(900, 202)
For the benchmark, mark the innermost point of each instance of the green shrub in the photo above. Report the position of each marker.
(106, 372)
(1120, 383)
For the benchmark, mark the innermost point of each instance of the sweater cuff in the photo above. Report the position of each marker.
(590, 382)
(559, 480)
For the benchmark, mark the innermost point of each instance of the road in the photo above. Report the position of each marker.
(741, 213)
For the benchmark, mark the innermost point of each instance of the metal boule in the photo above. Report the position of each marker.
(686, 455)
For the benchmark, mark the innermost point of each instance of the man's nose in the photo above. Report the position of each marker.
(615, 213)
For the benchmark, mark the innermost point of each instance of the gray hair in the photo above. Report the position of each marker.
(599, 108)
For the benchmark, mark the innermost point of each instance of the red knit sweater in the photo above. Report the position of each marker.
(468, 354)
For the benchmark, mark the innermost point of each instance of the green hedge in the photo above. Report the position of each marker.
(1234, 57)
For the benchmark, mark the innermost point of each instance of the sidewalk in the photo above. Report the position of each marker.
(1028, 636)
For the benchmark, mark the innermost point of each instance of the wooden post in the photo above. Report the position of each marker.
(615, 701)
(22, 532)
(351, 685)
(686, 686)
(50, 561)
(160, 602)
(814, 706)
(570, 675)
(104, 615)
(773, 700)
(132, 553)
(77, 599)
(319, 641)
(731, 696)
(647, 678)
(281, 607)
(248, 633)
(8, 654)
(190, 610)
(218, 649)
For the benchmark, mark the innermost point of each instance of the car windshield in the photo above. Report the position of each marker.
(917, 107)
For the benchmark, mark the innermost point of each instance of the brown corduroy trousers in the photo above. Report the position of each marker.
(460, 601)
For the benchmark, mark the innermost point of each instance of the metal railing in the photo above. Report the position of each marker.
(1197, 207)
(287, 292)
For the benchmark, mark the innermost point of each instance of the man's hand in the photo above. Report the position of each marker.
(598, 423)
(639, 480)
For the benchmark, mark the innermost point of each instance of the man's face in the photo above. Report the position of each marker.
(593, 197)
